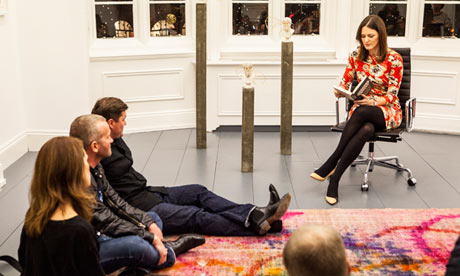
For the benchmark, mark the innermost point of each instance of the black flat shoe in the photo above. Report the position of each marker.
(274, 196)
(262, 217)
(276, 226)
(185, 242)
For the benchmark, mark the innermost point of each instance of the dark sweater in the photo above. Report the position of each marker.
(130, 184)
(67, 247)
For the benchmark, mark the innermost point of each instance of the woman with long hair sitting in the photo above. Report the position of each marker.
(57, 238)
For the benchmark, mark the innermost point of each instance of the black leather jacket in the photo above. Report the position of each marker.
(113, 216)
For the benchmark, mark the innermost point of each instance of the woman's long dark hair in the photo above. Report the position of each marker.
(376, 23)
(58, 179)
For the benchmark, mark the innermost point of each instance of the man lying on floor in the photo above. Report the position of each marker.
(183, 209)
(128, 237)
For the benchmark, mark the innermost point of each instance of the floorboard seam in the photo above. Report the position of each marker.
(290, 181)
(12, 232)
(217, 159)
(153, 148)
(433, 168)
(182, 159)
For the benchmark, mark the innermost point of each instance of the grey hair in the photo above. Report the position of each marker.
(85, 128)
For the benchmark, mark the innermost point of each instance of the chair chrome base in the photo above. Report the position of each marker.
(372, 161)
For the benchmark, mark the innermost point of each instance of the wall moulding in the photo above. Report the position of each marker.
(425, 82)
(436, 123)
(144, 85)
(267, 95)
(160, 120)
(13, 149)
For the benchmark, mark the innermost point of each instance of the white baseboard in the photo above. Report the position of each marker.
(36, 138)
(437, 123)
(162, 120)
(13, 150)
(32, 140)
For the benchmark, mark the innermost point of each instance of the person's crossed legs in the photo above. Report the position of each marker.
(195, 209)
(132, 252)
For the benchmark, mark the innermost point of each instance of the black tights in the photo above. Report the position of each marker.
(361, 126)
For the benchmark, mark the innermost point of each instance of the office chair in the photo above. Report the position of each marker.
(392, 135)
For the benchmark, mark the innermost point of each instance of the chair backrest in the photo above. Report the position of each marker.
(404, 90)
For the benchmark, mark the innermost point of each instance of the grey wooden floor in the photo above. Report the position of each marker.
(170, 158)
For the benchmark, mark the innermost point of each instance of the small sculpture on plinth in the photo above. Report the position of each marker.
(286, 30)
(248, 76)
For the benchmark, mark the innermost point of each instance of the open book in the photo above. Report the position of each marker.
(363, 88)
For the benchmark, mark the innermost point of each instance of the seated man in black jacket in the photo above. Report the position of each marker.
(128, 237)
(183, 209)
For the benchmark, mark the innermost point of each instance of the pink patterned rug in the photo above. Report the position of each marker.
(378, 241)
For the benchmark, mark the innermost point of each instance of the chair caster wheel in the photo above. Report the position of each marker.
(365, 187)
(411, 181)
(353, 165)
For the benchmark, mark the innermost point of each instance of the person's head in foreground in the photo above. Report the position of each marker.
(315, 250)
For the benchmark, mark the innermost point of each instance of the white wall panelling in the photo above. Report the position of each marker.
(50, 75)
(435, 87)
(152, 85)
(313, 100)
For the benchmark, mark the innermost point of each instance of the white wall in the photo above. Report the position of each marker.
(53, 39)
(53, 69)
(12, 112)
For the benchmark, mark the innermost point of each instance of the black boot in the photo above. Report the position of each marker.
(185, 242)
(274, 196)
(277, 225)
(261, 218)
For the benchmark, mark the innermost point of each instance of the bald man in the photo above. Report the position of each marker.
(316, 250)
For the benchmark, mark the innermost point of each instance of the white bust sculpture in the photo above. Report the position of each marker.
(286, 30)
(248, 76)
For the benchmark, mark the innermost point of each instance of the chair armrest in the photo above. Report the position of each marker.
(410, 113)
(337, 110)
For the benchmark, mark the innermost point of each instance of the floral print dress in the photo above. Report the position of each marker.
(386, 77)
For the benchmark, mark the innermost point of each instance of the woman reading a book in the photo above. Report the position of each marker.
(379, 109)
(57, 238)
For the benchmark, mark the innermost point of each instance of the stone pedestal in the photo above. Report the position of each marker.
(247, 130)
(286, 97)
(201, 76)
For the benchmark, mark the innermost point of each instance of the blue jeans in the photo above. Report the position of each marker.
(132, 251)
(195, 209)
